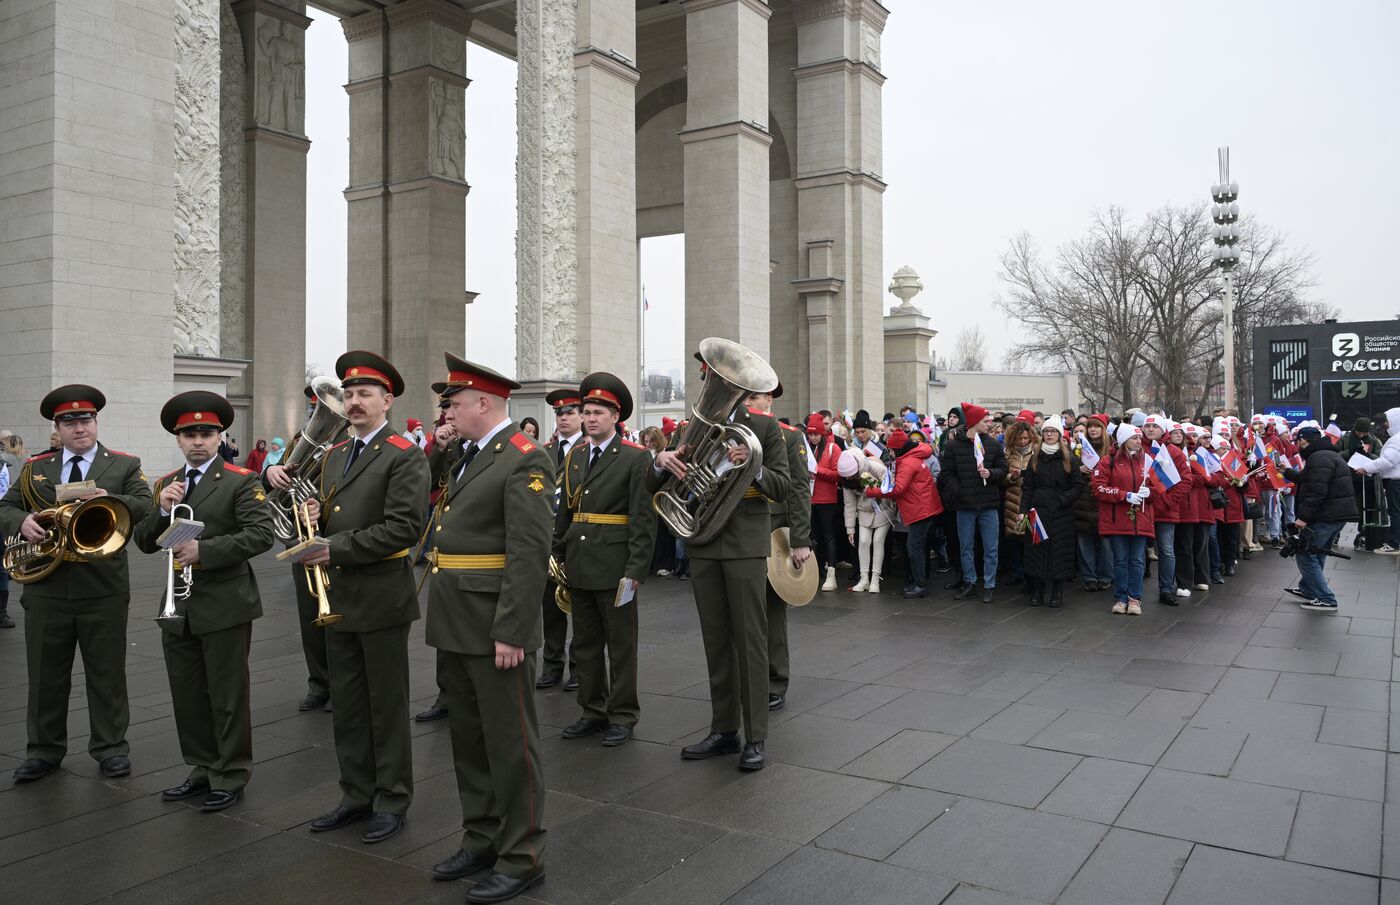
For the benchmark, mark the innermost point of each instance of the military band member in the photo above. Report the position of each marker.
(491, 539)
(82, 604)
(795, 514)
(729, 574)
(604, 534)
(206, 651)
(372, 504)
(444, 455)
(568, 434)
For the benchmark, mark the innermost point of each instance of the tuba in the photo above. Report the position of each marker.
(93, 529)
(562, 596)
(303, 462)
(697, 506)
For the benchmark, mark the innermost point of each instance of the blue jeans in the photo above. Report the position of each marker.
(916, 546)
(1310, 564)
(1214, 550)
(985, 523)
(1273, 512)
(1166, 558)
(1095, 558)
(1129, 562)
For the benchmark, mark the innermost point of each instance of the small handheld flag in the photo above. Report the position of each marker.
(1233, 465)
(1275, 478)
(1165, 469)
(1088, 455)
(978, 453)
(1038, 533)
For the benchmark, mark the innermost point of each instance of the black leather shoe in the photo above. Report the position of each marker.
(337, 818)
(381, 827)
(987, 595)
(431, 714)
(965, 590)
(313, 702)
(1167, 600)
(753, 758)
(1229, 573)
(582, 728)
(913, 591)
(114, 766)
(571, 685)
(219, 800)
(1057, 599)
(548, 680)
(715, 744)
(33, 769)
(616, 735)
(953, 585)
(776, 701)
(462, 864)
(499, 888)
(1036, 598)
(187, 789)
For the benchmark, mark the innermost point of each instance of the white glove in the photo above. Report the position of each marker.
(1134, 499)
(1144, 492)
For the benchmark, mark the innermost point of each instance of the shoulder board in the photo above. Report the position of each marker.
(117, 452)
(237, 469)
(39, 458)
(340, 444)
(399, 440)
(173, 473)
(522, 442)
(626, 442)
(788, 427)
(754, 411)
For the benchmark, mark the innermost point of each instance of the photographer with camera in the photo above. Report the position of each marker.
(1325, 503)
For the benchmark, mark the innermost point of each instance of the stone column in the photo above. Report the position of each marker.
(907, 335)
(818, 294)
(274, 310)
(87, 283)
(839, 189)
(726, 142)
(606, 166)
(546, 262)
(407, 193)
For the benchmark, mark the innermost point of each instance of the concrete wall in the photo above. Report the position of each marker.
(1006, 391)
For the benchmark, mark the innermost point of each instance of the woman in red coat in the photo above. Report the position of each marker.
(826, 503)
(1196, 532)
(1125, 516)
(1229, 519)
(918, 501)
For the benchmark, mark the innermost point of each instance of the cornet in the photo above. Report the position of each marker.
(180, 531)
(318, 581)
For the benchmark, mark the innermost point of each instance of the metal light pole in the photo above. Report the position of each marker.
(1226, 213)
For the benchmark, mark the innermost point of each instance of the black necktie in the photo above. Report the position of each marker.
(75, 473)
(593, 459)
(191, 479)
(354, 454)
(562, 452)
(472, 450)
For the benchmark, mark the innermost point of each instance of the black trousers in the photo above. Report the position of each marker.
(1192, 554)
(826, 523)
(1228, 536)
(556, 633)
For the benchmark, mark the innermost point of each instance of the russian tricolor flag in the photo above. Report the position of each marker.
(1261, 452)
(1204, 461)
(1038, 533)
(1165, 469)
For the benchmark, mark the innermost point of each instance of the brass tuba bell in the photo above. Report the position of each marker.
(85, 531)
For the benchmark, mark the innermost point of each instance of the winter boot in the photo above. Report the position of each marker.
(830, 583)
(1035, 588)
(1057, 594)
(863, 584)
(874, 583)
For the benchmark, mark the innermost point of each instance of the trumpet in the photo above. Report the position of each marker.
(318, 581)
(180, 530)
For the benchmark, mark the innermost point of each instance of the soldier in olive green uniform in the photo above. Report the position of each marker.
(729, 574)
(313, 637)
(206, 644)
(490, 540)
(568, 433)
(603, 534)
(373, 501)
(80, 604)
(795, 514)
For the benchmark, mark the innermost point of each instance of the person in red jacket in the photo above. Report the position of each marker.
(1167, 508)
(1193, 532)
(918, 501)
(1125, 516)
(1229, 519)
(826, 502)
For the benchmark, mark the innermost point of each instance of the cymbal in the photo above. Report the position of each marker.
(795, 586)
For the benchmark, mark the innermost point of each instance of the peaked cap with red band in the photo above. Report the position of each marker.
(600, 386)
(359, 366)
(463, 375)
(560, 398)
(196, 409)
(74, 400)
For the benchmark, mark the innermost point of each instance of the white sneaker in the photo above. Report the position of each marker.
(1120, 607)
(1134, 608)
(830, 583)
(1255, 548)
(663, 573)
(863, 584)
(1183, 592)
(1389, 550)
(874, 584)
(1203, 587)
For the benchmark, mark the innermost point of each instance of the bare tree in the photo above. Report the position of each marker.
(970, 350)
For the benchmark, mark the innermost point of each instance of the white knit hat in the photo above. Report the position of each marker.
(1054, 422)
(849, 463)
(1126, 432)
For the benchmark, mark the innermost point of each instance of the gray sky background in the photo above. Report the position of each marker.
(1000, 118)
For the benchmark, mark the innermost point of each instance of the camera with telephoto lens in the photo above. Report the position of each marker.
(1295, 542)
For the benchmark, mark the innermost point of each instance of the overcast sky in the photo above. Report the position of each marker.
(998, 119)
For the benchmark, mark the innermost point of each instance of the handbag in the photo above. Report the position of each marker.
(1217, 497)
(1252, 509)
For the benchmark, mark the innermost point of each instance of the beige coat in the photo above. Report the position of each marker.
(861, 509)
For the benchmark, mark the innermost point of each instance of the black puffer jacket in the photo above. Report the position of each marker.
(1052, 492)
(1324, 485)
(959, 484)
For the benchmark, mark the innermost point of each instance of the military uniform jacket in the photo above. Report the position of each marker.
(117, 473)
(746, 534)
(373, 515)
(229, 500)
(499, 506)
(795, 512)
(597, 555)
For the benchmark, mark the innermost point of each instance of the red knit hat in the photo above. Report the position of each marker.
(975, 413)
(1102, 419)
(898, 439)
(1026, 416)
(816, 423)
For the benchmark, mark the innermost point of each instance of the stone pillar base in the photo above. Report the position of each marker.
(216, 375)
(907, 337)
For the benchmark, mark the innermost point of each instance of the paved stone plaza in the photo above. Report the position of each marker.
(1235, 750)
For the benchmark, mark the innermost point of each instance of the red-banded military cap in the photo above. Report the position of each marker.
(196, 409)
(464, 375)
(74, 400)
(560, 398)
(608, 389)
(359, 366)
